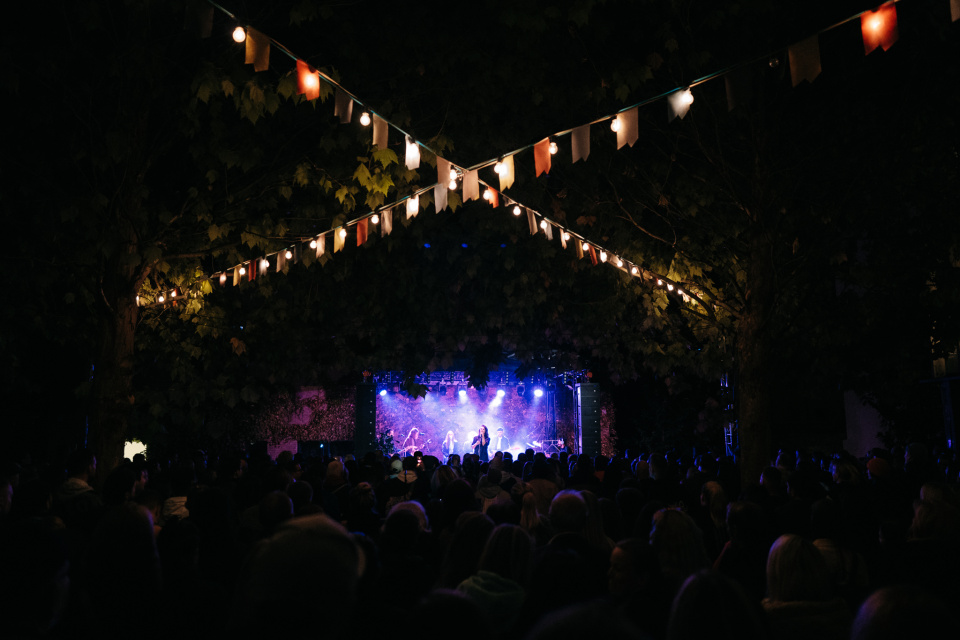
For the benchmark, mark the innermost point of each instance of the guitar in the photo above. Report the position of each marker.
(414, 447)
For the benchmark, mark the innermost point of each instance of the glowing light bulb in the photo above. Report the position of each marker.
(686, 98)
(487, 195)
(876, 23)
(160, 298)
(681, 292)
(566, 236)
(499, 168)
(264, 263)
(619, 262)
(669, 287)
(311, 82)
(453, 174)
(138, 301)
(659, 282)
(585, 246)
(173, 294)
(603, 256)
(501, 393)
(375, 219)
(243, 271)
(343, 233)
(239, 35)
(543, 225)
(413, 205)
(553, 148)
(288, 254)
(365, 119)
(452, 185)
(313, 244)
(615, 124)
(634, 270)
(516, 210)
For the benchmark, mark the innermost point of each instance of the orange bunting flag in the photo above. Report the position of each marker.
(593, 255)
(879, 28)
(258, 50)
(252, 271)
(541, 156)
(471, 186)
(532, 221)
(494, 197)
(580, 142)
(579, 246)
(804, 60)
(386, 222)
(506, 173)
(380, 130)
(343, 106)
(308, 81)
(362, 232)
(629, 129)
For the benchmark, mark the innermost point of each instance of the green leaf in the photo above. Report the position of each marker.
(385, 157)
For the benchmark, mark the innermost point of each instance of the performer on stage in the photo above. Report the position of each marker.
(500, 442)
(449, 446)
(480, 443)
(412, 443)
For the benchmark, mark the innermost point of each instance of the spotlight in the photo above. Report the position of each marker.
(501, 393)
(383, 392)
(462, 393)
(538, 392)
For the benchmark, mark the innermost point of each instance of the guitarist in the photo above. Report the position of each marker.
(412, 443)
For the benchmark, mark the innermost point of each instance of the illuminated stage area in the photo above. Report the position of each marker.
(527, 417)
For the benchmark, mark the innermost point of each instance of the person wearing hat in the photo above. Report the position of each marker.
(500, 442)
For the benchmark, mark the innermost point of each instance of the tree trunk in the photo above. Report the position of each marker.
(754, 353)
(113, 384)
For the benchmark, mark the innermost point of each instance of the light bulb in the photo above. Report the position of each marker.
(288, 254)
(239, 35)
(365, 119)
(453, 174)
(543, 225)
(452, 185)
(313, 244)
(585, 246)
(669, 287)
(619, 262)
(659, 282)
(498, 168)
(553, 148)
(375, 219)
(566, 236)
(413, 205)
(615, 124)
(686, 98)
(680, 291)
(876, 23)
(264, 263)
(173, 294)
(160, 298)
(516, 210)
(311, 82)
(243, 271)
(138, 301)
(343, 233)
(487, 195)
(634, 271)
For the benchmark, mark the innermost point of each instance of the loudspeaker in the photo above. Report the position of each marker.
(588, 418)
(365, 433)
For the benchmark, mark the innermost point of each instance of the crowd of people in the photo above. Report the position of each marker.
(648, 544)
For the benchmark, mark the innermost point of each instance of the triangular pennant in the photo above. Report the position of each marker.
(804, 60)
(343, 106)
(532, 221)
(879, 28)
(380, 131)
(471, 185)
(541, 156)
(629, 129)
(362, 232)
(506, 173)
(258, 50)
(580, 142)
(308, 81)
(739, 87)
(339, 235)
(386, 222)
(413, 154)
(593, 255)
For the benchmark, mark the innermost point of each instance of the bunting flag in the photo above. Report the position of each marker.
(879, 28)
(386, 222)
(252, 271)
(413, 206)
(678, 103)
(563, 239)
(362, 232)
(629, 129)
(339, 235)
(541, 156)
(739, 87)
(440, 190)
(548, 230)
(413, 154)
(579, 246)
(343, 106)
(471, 185)
(223, 279)
(263, 265)
(308, 81)
(380, 131)
(954, 10)
(321, 244)
(258, 50)
(593, 255)
(580, 142)
(506, 173)
(804, 60)
(494, 197)
(532, 221)
(236, 276)
(281, 260)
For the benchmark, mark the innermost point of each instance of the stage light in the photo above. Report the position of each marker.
(501, 393)
(520, 390)
(462, 393)
(383, 392)
(538, 392)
